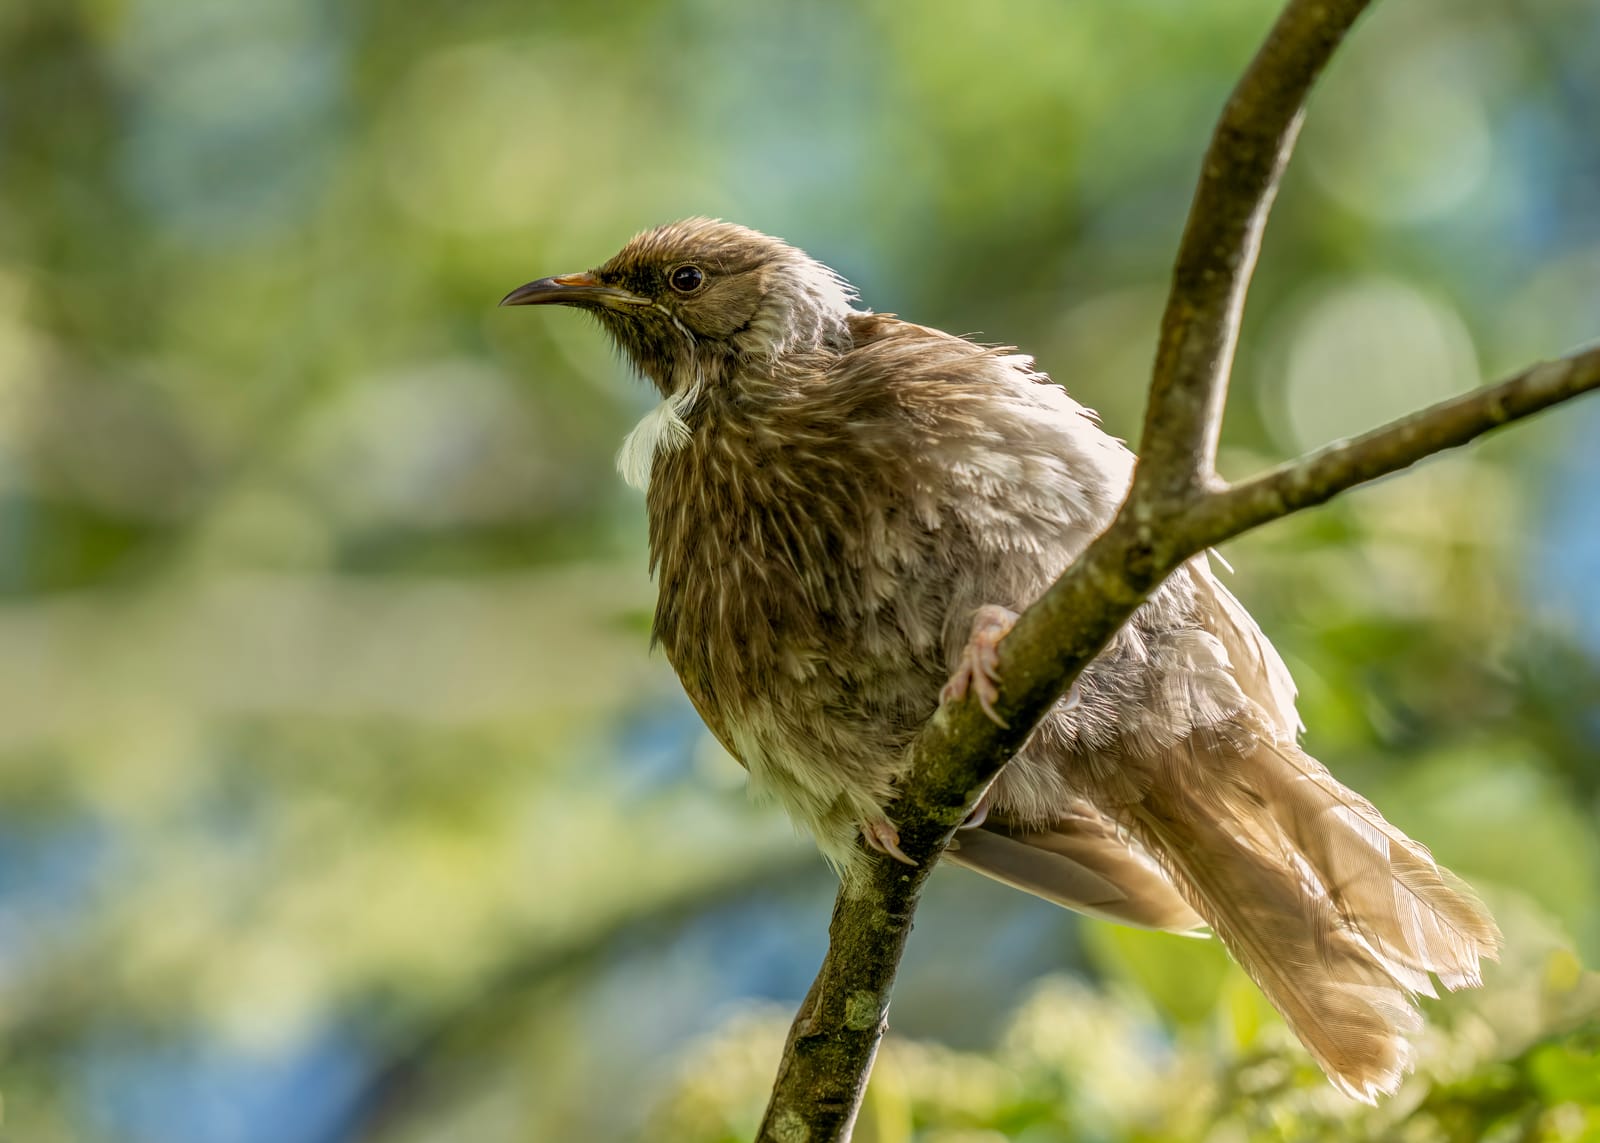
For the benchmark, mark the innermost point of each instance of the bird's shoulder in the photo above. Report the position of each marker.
(886, 349)
(965, 392)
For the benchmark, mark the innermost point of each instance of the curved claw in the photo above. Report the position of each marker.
(880, 834)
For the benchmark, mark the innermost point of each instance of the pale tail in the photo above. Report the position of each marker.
(1337, 916)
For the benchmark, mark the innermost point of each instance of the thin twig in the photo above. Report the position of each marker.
(1322, 475)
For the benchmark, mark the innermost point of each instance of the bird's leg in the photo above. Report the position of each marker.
(880, 834)
(979, 666)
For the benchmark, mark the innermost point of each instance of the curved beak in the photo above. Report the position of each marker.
(571, 290)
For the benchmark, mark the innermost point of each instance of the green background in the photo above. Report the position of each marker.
(340, 798)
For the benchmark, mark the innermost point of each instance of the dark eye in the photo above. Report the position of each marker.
(686, 279)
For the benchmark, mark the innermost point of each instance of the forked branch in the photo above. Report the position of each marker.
(1176, 509)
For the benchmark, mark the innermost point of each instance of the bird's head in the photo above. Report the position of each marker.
(690, 301)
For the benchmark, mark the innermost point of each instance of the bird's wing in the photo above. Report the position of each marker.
(1082, 862)
(700, 699)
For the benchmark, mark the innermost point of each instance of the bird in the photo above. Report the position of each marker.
(847, 511)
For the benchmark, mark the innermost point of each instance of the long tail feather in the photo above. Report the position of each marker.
(1337, 915)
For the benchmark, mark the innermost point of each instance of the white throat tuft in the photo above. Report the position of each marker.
(662, 430)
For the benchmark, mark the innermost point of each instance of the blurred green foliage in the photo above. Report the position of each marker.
(339, 796)
(1082, 1064)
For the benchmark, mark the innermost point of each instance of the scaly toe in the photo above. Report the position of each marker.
(956, 689)
(979, 667)
(988, 694)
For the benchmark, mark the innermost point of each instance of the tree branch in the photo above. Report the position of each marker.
(1319, 476)
(1176, 509)
(1238, 182)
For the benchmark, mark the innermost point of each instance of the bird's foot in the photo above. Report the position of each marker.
(880, 834)
(978, 670)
